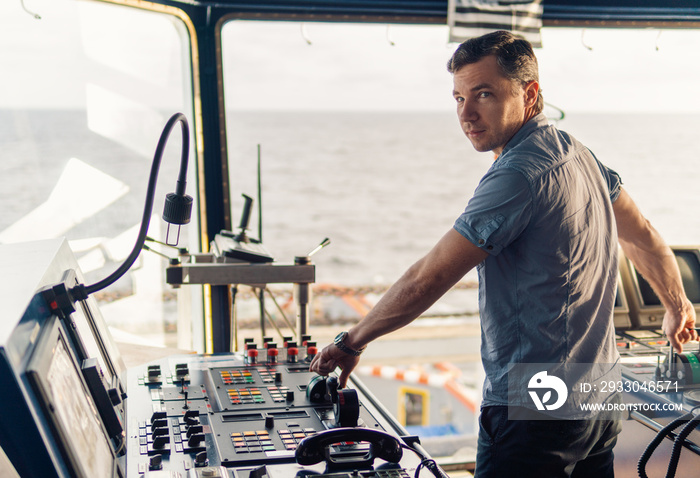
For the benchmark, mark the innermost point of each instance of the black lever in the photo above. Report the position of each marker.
(245, 219)
(332, 388)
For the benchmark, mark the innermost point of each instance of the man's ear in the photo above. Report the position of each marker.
(531, 90)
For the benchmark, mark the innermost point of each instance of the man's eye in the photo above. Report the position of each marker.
(484, 94)
(459, 99)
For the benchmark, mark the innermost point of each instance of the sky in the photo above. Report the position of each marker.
(270, 66)
(583, 70)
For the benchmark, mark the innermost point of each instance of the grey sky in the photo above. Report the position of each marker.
(272, 66)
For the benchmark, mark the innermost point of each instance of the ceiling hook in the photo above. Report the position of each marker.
(304, 34)
(583, 41)
(35, 15)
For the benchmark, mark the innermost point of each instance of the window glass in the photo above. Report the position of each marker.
(87, 90)
(359, 140)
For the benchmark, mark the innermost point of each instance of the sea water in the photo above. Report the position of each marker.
(386, 186)
(383, 187)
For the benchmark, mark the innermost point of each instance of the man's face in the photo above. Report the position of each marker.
(490, 107)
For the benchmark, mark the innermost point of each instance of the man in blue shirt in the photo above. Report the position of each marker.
(542, 229)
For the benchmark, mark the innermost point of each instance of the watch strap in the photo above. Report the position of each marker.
(340, 343)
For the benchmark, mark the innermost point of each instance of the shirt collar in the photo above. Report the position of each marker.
(536, 122)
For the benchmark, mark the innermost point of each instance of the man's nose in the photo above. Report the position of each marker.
(467, 112)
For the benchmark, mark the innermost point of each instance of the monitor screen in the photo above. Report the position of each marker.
(68, 406)
(649, 297)
(689, 265)
(646, 310)
(618, 298)
(621, 311)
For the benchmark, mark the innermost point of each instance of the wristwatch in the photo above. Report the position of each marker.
(339, 342)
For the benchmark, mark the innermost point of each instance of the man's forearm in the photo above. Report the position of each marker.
(647, 250)
(422, 284)
(405, 301)
(656, 262)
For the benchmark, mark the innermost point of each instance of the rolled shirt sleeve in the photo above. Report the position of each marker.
(498, 212)
(612, 179)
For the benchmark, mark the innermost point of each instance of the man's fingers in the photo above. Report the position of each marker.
(322, 366)
(682, 337)
(343, 379)
(677, 346)
(327, 367)
(317, 365)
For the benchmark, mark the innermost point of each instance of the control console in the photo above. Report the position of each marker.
(74, 410)
(661, 391)
(243, 411)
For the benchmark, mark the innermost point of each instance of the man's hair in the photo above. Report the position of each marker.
(514, 55)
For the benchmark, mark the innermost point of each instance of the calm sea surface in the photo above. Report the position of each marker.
(385, 187)
(382, 186)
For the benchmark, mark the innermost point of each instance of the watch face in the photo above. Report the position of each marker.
(338, 342)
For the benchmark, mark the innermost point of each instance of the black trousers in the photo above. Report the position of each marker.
(544, 448)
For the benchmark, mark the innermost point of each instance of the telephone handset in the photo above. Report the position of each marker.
(317, 448)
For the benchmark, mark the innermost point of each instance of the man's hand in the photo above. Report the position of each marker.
(679, 326)
(331, 357)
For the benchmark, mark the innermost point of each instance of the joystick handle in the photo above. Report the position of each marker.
(332, 388)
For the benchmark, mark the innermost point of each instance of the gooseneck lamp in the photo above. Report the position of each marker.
(177, 209)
